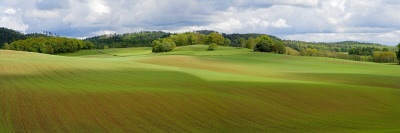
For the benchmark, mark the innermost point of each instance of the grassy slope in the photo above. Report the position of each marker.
(241, 91)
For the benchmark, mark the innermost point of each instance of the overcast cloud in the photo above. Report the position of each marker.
(308, 20)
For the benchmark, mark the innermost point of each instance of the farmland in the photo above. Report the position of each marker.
(194, 90)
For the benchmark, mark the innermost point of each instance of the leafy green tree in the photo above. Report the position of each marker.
(265, 44)
(388, 57)
(227, 42)
(6, 46)
(243, 42)
(182, 40)
(385, 50)
(106, 47)
(192, 38)
(163, 46)
(212, 46)
(201, 38)
(280, 47)
(311, 52)
(215, 38)
(250, 43)
(398, 53)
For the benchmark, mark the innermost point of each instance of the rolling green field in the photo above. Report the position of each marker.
(194, 90)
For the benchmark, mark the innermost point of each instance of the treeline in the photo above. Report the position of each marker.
(377, 56)
(349, 50)
(139, 39)
(9, 35)
(366, 51)
(52, 45)
(145, 39)
(263, 43)
(345, 46)
(238, 40)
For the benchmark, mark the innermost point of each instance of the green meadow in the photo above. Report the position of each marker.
(194, 90)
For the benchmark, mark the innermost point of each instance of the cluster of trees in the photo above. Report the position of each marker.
(366, 51)
(8, 36)
(384, 57)
(188, 38)
(191, 38)
(239, 40)
(163, 45)
(139, 39)
(52, 45)
(309, 52)
(266, 44)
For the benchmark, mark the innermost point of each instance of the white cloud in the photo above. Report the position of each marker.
(326, 19)
(11, 11)
(280, 23)
(99, 7)
(13, 23)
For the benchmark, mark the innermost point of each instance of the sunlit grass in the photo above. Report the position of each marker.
(134, 90)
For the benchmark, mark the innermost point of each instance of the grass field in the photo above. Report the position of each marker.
(194, 90)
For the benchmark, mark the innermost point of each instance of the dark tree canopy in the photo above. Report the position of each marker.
(398, 53)
(265, 44)
(9, 36)
(140, 39)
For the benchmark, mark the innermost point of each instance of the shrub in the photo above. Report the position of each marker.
(6, 46)
(163, 46)
(212, 46)
(280, 47)
(264, 45)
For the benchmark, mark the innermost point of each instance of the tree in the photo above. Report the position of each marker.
(280, 47)
(163, 46)
(215, 38)
(385, 50)
(311, 52)
(243, 42)
(201, 38)
(398, 53)
(192, 38)
(106, 47)
(6, 46)
(88, 45)
(212, 46)
(250, 43)
(265, 44)
(227, 42)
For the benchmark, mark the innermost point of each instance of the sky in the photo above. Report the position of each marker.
(375, 21)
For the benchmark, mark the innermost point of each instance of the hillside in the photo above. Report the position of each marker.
(194, 90)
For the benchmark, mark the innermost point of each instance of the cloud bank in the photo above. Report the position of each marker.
(308, 20)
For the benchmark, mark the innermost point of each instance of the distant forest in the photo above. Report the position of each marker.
(351, 50)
